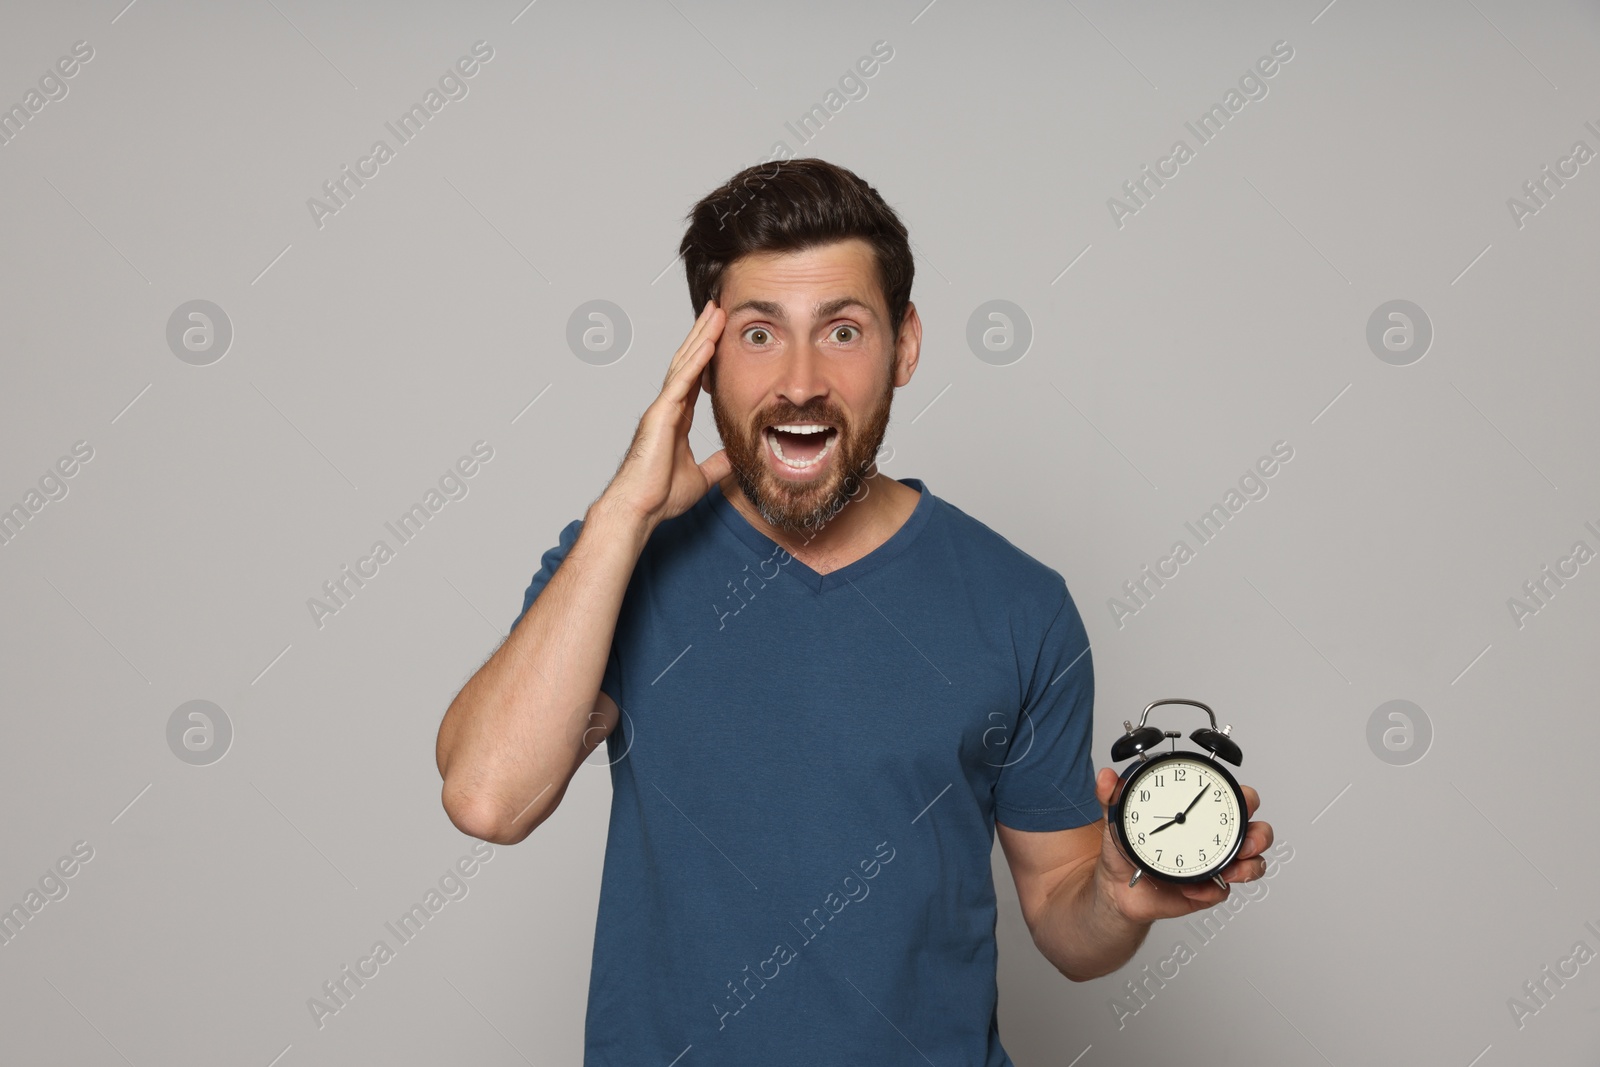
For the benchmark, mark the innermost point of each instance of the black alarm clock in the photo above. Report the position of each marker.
(1178, 816)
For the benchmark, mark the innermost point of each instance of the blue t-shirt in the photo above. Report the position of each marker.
(805, 779)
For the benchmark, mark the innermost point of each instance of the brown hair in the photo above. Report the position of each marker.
(801, 203)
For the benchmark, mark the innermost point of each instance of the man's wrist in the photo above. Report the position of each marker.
(1109, 892)
(617, 520)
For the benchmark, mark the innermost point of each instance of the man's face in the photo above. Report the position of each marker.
(807, 343)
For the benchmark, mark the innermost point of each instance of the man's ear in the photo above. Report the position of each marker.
(908, 346)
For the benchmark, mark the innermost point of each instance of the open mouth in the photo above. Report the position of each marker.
(801, 445)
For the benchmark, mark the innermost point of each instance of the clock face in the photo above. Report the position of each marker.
(1181, 816)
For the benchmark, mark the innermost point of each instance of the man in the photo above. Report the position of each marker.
(823, 691)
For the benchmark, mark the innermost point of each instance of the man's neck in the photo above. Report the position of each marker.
(859, 527)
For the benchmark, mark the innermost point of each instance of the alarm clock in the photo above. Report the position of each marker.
(1178, 816)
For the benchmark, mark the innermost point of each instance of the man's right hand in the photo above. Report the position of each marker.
(658, 478)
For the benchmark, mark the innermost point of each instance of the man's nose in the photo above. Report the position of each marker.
(804, 373)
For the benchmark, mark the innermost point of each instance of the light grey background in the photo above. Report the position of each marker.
(368, 355)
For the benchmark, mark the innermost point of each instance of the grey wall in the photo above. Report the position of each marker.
(1425, 880)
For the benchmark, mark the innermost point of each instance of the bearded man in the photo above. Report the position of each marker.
(823, 691)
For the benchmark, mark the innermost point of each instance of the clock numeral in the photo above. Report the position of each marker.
(1178, 859)
(1144, 794)
(1141, 837)
(1202, 855)
(1216, 839)
(1216, 795)
(1180, 774)
(1161, 779)
(1222, 817)
(1158, 853)
(1133, 816)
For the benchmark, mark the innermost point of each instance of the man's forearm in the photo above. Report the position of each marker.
(1080, 930)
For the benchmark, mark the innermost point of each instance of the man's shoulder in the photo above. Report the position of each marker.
(989, 557)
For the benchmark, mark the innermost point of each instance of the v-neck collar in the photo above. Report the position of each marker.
(767, 548)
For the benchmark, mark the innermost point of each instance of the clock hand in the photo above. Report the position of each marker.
(1179, 817)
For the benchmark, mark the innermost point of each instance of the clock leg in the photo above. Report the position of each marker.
(1134, 880)
(1217, 878)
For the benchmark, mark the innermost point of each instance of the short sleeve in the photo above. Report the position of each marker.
(1047, 782)
(611, 681)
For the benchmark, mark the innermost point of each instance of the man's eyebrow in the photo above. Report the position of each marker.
(823, 310)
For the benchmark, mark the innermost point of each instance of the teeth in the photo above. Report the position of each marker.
(777, 449)
(803, 427)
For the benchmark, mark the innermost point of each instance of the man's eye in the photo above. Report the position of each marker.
(757, 335)
(854, 333)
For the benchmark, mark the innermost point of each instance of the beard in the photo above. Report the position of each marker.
(802, 507)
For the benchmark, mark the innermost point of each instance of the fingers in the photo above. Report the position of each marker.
(1245, 870)
(717, 466)
(686, 350)
(1206, 893)
(1105, 784)
(1251, 863)
(1257, 839)
(1257, 835)
(695, 351)
(682, 389)
(690, 340)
